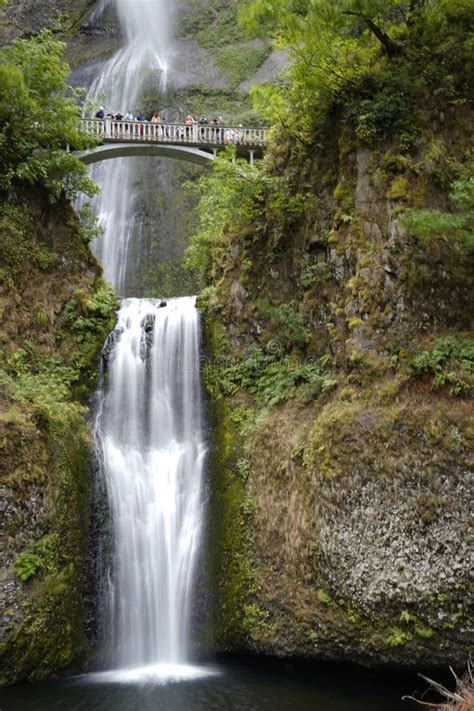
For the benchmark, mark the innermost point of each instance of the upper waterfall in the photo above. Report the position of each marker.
(148, 22)
(147, 26)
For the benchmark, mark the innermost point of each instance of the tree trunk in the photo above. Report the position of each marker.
(392, 48)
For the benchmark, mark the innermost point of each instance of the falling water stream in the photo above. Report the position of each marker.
(148, 429)
(146, 25)
(152, 447)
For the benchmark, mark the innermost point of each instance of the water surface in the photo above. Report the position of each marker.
(243, 686)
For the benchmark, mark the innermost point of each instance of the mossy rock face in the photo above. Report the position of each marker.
(357, 499)
(56, 313)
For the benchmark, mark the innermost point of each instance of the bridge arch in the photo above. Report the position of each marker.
(194, 143)
(123, 150)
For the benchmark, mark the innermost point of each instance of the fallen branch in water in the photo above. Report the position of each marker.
(462, 699)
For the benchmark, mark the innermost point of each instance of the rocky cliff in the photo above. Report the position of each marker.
(55, 314)
(343, 458)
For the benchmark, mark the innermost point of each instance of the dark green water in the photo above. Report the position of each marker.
(242, 686)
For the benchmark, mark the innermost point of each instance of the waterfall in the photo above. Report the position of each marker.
(147, 28)
(148, 429)
(152, 449)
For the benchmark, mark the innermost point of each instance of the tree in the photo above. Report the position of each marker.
(39, 119)
(378, 17)
(348, 48)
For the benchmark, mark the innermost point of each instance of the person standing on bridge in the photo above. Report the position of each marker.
(140, 117)
(118, 126)
(128, 117)
(155, 119)
(189, 123)
(203, 122)
(100, 114)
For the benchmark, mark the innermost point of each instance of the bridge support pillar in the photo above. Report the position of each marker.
(251, 154)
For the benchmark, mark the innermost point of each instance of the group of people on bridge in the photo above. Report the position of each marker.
(190, 129)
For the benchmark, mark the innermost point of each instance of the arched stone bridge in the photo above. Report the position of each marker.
(195, 143)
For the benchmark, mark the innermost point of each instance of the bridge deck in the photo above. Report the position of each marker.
(196, 135)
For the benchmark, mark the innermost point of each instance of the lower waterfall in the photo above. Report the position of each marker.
(151, 443)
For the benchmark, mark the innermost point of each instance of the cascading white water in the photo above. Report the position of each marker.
(148, 428)
(147, 28)
(150, 436)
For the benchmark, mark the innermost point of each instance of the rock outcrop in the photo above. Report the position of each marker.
(55, 315)
(342, 505)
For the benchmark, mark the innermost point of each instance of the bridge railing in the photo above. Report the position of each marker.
(199, 134)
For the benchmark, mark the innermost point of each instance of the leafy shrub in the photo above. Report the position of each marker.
(289, 325)
(389, 110)
(39, 117)
(231, 200)
(455, 226)
(86, 313)
(315, 274)
(273, 378)
(40, 557)
(27, 565)
(450, 364)
(398, 637)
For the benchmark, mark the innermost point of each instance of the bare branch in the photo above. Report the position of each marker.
(421, 703)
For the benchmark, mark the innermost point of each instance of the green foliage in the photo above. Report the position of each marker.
(456, 226)
(89, 224)
(240, 63)
(46, 384)
(273, 377)
(407, 617)
(424, 632)
(449, 364)
(230, 196)
(27, 565)
(39, 558)
(16, 247)
(389, 109)
(412, 620)
(398, 637)
(85, 313)
(39, 118)
(316, 273)
(289, 324)
(323, 597)
(89, 317)
(231, 200)
(361, 55)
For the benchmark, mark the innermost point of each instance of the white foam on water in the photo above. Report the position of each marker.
(157, 674)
